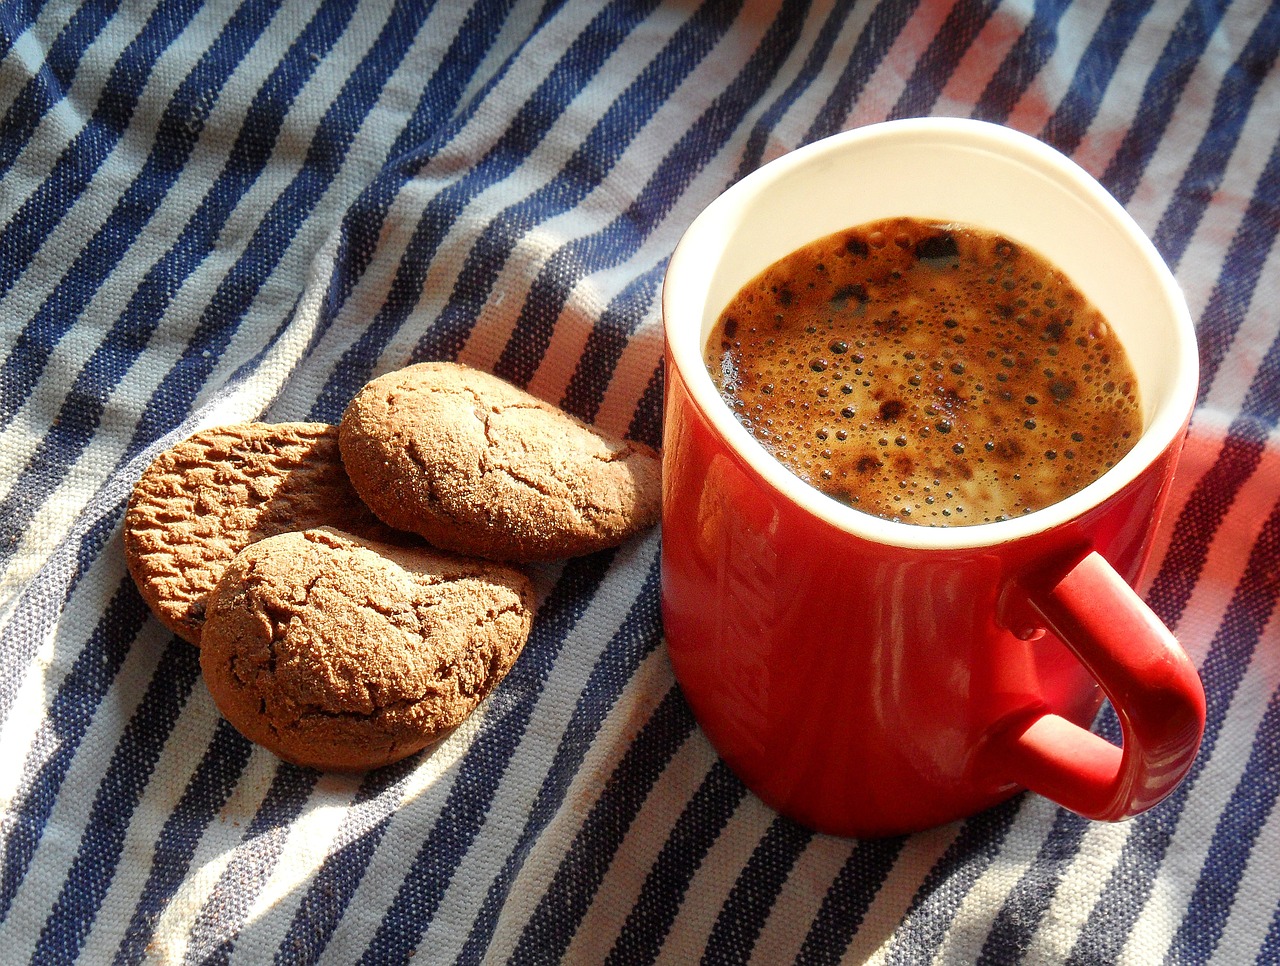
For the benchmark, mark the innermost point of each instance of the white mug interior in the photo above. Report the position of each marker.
(951, 170)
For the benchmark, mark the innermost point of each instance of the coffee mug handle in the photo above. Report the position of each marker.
(1152, 685)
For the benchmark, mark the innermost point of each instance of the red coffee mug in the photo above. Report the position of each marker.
(868, 677)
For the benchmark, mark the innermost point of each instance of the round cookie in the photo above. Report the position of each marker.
(204, 500)
(476, 465)
(345, 654)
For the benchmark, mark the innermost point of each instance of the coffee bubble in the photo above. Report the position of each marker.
(957, 355)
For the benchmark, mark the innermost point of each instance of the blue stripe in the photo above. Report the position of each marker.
(126, 777)
(325, 156)
(1246, 438)
(695, 831)
(213, 933)
(879, 34)
(620, 239)
(1200, 517)
(467, 806)
(559, 912)
(1026, 903)
(37, 610)
(1160, 97)
(646, 424)
(15, 19)
(180, 126)
(467, 51)
(1238, 280)
(31, 622)
(1252, 804)
(814, 62)
(747, 907)
(584, 171)
(362, 225)
(848, 899)
(1231, 107)
(549, 100)
(88, 548)
(1023, 62)
(49, 84)
(1067, 126)
(1129, 886)
(940, 58)
(69, 715)
(72, 173)
(326, 899)
(938, 899)
(312, 43)
(606, 342)
(635, 639)
(82, 409)
(205, 795)
(1213, 494)
(1270, 951)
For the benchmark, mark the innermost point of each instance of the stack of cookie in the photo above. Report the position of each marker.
(354, 590)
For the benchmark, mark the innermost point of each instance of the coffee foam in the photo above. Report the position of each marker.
(932, 374)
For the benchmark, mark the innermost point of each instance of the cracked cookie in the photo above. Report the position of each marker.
(476, 465)
(204, 500)
(345, 654)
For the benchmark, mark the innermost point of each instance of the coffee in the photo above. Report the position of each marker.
(938, 374)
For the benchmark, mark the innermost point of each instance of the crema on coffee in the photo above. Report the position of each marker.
(938, 374)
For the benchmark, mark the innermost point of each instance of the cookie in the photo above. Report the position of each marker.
(345, 654)
(204, 500)
(476, 465)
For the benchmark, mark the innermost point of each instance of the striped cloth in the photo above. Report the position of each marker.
(212, 213)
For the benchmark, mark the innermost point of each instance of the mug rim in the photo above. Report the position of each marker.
(685, 345)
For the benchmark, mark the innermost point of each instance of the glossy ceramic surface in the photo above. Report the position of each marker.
(867, 677)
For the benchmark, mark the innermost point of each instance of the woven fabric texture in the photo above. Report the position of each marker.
(212, 213)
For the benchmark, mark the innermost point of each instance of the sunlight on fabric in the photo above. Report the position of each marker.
(1210, 801)
(19, 729)
(714, 881)
(898, 892)
(217, 213)
(160, 799)
(1031, 827)
(1078, 891)
(564, 688)
(312, 839)
(646, 689)
(639, 850)
(1211, 599)
(213, 855)
(1246, 927)
(1239, 369)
